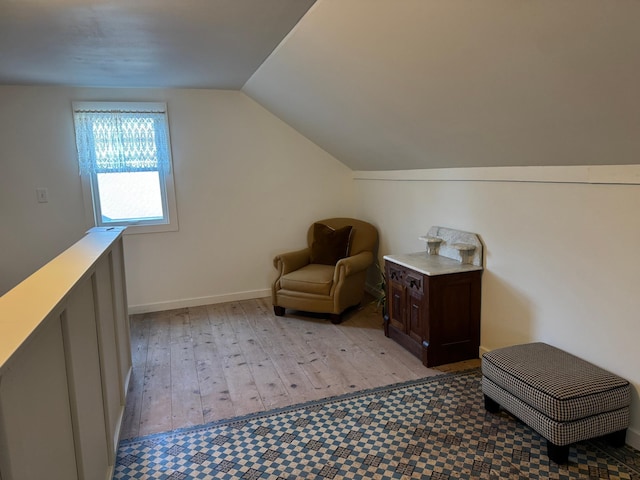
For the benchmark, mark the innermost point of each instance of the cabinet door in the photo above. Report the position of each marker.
(415, 312)
(415, 318)
(397, 306)
(396, 297)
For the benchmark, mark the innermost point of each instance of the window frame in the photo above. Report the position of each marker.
(89, 181)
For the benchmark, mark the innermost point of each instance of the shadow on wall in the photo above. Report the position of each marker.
(507, 314)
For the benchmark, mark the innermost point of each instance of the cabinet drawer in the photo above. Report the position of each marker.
(410, 279)
(396, 274)
(414, 282)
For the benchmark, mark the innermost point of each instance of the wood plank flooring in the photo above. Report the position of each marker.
(200, 364)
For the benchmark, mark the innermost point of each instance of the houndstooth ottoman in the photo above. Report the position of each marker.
(562, 397)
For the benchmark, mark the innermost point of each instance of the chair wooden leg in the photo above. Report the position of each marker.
(279, 311)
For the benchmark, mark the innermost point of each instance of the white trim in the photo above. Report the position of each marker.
(172, 211)
(199, 301)
(594, 174)
(633, 438)
(168, 183)
(157, 107)
(87, 201)
(482, 350)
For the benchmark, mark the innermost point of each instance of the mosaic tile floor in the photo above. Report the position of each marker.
(434, 428)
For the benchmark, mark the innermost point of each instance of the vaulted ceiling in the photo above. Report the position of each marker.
(141, 43)
(380, 84)
(387, 84)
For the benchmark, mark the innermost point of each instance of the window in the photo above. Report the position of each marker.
(125, 160)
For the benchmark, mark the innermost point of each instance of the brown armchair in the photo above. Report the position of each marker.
(323, 287)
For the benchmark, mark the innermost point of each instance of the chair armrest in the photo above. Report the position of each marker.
(354, 264)
(290, 261)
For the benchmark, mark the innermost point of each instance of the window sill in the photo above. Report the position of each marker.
(137, 229)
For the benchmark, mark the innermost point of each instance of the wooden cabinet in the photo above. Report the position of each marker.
(437, 318)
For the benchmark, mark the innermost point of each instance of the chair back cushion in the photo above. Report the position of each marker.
(329, 245)
(364, 236)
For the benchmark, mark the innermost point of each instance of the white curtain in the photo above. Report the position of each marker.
(120, 141)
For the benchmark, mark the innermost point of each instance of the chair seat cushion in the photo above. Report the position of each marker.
(313, 278)
(559, 385)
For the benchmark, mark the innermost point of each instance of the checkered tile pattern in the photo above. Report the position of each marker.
(559, 385)
(435, 428)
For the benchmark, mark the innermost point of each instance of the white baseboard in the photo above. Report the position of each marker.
(196, 302)
(483, 350)
(633, 438)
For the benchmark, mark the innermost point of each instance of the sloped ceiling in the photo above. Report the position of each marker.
(141, 43)
(379, 84)
(414, 84)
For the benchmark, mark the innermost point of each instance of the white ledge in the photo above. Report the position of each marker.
(594, 174)
(25, 307)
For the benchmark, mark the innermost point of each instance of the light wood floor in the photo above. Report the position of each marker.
(196, 365)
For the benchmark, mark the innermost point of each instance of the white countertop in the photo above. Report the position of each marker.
(431, 265)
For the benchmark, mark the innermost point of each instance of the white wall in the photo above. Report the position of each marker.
(247, 187)
(562, 259)
(36, 150)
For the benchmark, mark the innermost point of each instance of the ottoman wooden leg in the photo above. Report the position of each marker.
(279, 311)
(617, 439)
(490, 405)
(557, 453)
